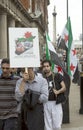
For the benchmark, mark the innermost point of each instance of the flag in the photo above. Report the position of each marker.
(61, 43)
(47, 51)
(57, 62)
(67, 37)
(58, 69)
(52, 54)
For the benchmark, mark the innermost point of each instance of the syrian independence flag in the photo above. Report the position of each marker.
(74, 65)
(51, 53)
(58, 69)
(71, 52)
(57, 62)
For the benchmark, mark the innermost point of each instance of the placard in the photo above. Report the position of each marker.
(24, 47)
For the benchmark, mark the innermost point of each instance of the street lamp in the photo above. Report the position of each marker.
(67, 9)
(66, 118)
(82, 25)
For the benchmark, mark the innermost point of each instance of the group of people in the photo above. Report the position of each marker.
(30, 102)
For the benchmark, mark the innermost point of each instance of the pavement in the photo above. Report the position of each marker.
(76, 119)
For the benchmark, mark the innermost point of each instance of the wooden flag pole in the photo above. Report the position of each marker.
(26, 70)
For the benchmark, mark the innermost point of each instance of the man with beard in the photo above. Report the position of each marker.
(52, 109)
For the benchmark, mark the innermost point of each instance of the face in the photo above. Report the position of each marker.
(13, 70)
(46, 68)
(31, 73)
(40, 64)
(5, 69)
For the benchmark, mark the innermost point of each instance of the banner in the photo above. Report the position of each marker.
(24, 47)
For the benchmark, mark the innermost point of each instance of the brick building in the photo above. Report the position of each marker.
(22, 13)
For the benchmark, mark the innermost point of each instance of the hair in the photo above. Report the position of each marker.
(23, 69)
(5, 60)
(46, 61)
(40, 60)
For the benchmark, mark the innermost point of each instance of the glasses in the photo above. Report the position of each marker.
(5, 68)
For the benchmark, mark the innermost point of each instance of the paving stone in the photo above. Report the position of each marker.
(76, 119)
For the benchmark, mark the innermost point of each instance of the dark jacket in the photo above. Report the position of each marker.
(32, 112)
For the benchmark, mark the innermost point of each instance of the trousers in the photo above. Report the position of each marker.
(53, 115)
(9, 124)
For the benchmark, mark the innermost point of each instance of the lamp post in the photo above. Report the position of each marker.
(54, 27)
(81, 73)
(66, 117)
(67, 9)
(82, 25)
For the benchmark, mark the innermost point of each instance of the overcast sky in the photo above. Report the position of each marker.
(75, 13)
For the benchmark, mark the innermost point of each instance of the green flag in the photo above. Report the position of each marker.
(70, 39)
(47, 50)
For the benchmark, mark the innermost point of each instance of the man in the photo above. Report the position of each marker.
(52, 109)
(8, 103)
(33, 91)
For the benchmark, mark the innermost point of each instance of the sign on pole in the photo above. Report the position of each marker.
(24, 47)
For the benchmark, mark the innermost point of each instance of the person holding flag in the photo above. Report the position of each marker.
(66, 43)
(53, 113)
(57, 64)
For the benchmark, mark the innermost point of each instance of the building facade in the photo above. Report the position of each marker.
(22, 13)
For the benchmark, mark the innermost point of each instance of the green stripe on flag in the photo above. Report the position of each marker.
(47, 50)
(70, 39)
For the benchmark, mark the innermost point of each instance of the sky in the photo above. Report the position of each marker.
(74, 11)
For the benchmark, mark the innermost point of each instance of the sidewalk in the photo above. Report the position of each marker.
(76, 119)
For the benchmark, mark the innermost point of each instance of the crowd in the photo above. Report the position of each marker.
(30, 99)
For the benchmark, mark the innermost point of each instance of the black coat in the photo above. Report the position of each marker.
(32, 113)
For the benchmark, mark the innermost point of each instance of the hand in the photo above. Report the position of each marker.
(25, 76)
(56, 92)
(22, 87)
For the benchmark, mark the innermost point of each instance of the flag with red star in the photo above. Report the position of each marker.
(70, 49)
(73, 60)
(58, 66)
(58, 69)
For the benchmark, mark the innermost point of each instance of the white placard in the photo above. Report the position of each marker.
(24, 47)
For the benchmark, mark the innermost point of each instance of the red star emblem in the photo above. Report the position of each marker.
(28, 34)
(66, 37)
(74, 52)
(72, 67)
(59, 68)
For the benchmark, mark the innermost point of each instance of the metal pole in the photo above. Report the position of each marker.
(67, 9)
(81, 73)
(66, 117)
(82, 24)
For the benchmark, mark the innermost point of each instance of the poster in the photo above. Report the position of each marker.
(24, 47)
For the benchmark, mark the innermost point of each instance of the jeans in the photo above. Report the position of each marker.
(9, 124)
